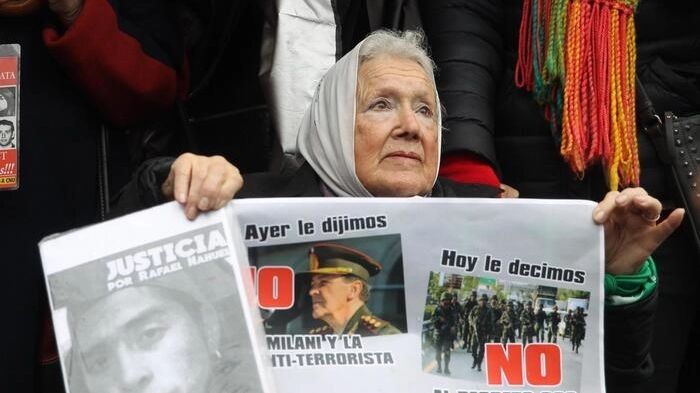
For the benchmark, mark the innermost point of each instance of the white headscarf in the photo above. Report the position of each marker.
(326, 137)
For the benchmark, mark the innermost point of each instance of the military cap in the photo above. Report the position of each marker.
(446, 296)
(329, 258)
(484, 297)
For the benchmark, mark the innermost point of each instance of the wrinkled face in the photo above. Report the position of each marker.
(6, 134)
(330, 295)
(396, 130)
(151, 345)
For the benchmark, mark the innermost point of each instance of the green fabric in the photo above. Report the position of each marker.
(626, 289)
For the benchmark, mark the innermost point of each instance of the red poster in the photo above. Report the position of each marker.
(9, 117)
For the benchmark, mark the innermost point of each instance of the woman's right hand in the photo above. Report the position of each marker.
(201, 183)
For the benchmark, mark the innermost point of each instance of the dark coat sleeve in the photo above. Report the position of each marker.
(144, 189)
(628, 336)
(124, 54)
(466, 44)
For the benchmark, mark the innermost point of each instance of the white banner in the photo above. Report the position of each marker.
(155, 302)
(510, 252)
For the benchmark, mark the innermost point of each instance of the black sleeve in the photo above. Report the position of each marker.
(628, 335)
(466, 42)
(144, 189)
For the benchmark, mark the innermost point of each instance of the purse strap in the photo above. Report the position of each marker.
(650, 122)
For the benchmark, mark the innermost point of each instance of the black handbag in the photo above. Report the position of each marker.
(677, 143)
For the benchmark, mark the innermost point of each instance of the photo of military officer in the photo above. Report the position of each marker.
(344, 286)
(339, 278)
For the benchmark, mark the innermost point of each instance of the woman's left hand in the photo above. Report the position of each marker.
(632, 228)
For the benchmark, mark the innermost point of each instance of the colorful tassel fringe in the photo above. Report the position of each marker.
(578, 59)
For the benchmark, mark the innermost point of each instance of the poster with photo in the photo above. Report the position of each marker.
(155, 302)
(9, 116)
(372, 294)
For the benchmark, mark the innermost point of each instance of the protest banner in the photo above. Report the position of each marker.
(420, 260)
(155, 302)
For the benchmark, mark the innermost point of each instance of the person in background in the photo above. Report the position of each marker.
(84, 63)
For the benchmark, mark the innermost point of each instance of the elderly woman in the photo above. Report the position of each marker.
(373, 129)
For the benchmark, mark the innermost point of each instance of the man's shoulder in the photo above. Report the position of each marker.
(322, 330)
(377, 326)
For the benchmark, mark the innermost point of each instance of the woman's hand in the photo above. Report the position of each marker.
(632, 230)
(201, 183)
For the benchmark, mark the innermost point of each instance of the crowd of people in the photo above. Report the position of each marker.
(98, 75)
(473, 323)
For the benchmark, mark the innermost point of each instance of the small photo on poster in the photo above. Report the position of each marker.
(484, 330)
(8, 133)
(345, 286)
(7, 101)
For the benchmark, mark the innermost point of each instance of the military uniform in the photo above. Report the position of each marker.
(540, 318)
(336, 259)
(445, 321)
(481, 321)
(364, 323)
(496, 328)
(466, 328)
(554, 320)
(507, 322)
(527, 323)
(578, 329)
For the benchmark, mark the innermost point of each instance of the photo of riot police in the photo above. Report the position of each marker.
(464, 313)
(344, 286)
